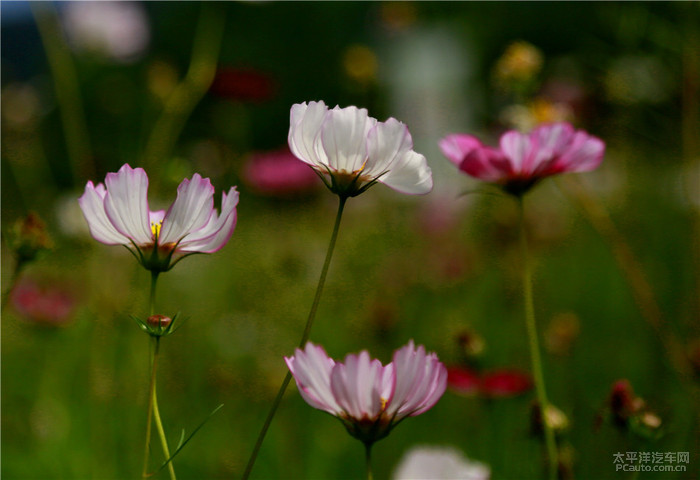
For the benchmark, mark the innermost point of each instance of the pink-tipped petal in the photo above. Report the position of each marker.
(191, 210)
(486, 163)
(92, 205)
(213, 236)
(126, 203)
(433, 389)
(311, 369)
(420, 381)
(585, 153)
(357, 386)
(456, 146)
(547, 141)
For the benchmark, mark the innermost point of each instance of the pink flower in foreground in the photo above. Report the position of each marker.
(368, 397)
(522, 160)
(352, 151)
(279, 173)
(117, 213)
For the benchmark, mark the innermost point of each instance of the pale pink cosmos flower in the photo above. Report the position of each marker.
(368, 397)
(117, 213)
(351, 151)
(522, 160)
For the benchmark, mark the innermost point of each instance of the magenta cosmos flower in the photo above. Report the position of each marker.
(522, 160)
(351, 151)
(117, 213)
(279, 173)
(368, 397)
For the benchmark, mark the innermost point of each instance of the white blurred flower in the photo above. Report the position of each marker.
(434, 463)
(117, 30)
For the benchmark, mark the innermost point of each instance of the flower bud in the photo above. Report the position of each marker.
(159, 321)
(555, 418)
(28, 237)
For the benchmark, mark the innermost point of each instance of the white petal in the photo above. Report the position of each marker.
(410, 175)
(344, 138)
(516, 147)
(191, 210)
(218, 231)
(126, 203)
(390, 156)
(304, 130)
(92, 205)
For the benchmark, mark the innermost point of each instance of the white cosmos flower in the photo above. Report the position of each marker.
(433, 463)
(351, 150)
(117, 213)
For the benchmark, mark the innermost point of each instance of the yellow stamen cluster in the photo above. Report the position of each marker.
(155, 228)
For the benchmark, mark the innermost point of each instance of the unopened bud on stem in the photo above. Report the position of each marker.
(159, 321)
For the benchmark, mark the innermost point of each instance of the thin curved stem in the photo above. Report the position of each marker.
(17, 269)
(153, 411)
(149, 415)
(187, 94)
(161, 433)
(304, 338)
(67, 89)
(553, 461)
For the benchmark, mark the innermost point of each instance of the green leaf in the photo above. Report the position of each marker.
(182, 443)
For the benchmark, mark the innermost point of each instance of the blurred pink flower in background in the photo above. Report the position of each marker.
(522, 160)
(116, 30)
(439, 463)
(43, 303)
(355, 150)
(245, 84)
(279, 173)
(368, 397)
(118, 214)
(497, 383)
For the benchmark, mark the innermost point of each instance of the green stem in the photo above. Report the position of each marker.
(553, 462)
(368, 459)
(161, 431)
(152, 301)
(17, 269)
(304, 338)
(153, 411)
(154, 414)
(149, 415)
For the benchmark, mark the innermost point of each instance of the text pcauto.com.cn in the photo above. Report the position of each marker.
(651, 461)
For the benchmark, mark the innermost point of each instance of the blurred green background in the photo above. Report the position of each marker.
(185, 87)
